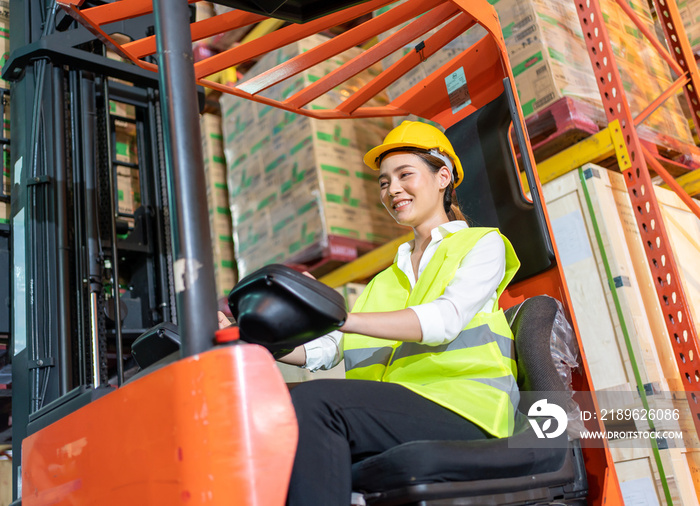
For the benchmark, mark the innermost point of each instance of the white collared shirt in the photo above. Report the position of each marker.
(473, 289)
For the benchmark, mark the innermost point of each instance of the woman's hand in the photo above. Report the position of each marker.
(223, 320)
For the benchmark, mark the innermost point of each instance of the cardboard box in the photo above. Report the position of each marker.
(550, 60)
(218, 204)
(294, 180)
(4, 213)
(125, 146)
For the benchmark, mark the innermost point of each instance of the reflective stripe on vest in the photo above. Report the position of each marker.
(475, 374)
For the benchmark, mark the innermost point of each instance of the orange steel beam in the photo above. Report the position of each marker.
(342, 42)
(374, 54)
(678, 42)
(280, 38)
(671, 182)
(406, 63)
(200, 30)
(668, 93)
(659, 253)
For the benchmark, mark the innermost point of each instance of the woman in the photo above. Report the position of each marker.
(427, 331)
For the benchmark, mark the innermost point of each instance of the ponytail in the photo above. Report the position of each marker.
(451, 206)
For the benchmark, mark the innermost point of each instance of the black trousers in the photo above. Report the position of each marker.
(344, 421)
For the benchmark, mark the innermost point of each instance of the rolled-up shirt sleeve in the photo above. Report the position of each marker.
(324, 352)
(472, 289)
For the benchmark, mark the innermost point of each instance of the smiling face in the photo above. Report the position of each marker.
(411, 191)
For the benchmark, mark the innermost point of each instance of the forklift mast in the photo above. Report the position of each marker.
(80, 264)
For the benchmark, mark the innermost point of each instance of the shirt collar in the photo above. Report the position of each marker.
(436, 234)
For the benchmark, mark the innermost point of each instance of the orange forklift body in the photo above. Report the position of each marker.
(203, 430)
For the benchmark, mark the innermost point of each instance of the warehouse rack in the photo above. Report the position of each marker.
(635, 159)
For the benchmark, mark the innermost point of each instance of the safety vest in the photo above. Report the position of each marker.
(475, 374)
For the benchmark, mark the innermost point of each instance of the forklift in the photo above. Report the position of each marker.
(212, 423)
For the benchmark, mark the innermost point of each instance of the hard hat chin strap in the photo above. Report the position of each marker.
(446, 159)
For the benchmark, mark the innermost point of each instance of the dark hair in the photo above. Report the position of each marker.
(434, 164)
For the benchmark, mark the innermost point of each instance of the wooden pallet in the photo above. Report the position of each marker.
(322, 259)
(568, 121)
(639, 476)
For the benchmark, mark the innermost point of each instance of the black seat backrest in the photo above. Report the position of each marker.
(532, 322)
(490, 195)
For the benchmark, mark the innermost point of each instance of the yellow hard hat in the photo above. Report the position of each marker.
(415, 134)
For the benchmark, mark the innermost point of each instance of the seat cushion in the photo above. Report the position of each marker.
(421, 462)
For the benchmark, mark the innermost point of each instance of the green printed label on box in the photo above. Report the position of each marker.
(335, 170)
(256, 147)
(557, 55)
(120, 194)
(343, 199)
(264, 111)
(274, 260)
(228, 264)
(289, 118)
(507, 30)
(219, 159)
(548, 19)
(345, 231)
(245, 216)
(223, 210)
(301, 145)
(289, 89)
(365, 176)
(270, 199)
(226, 238)
(522, 67)
(633, 31)
(281, 224)
(220, 186)
(336, 137)
(231, 109)
(217, 137)
(239, 161)
(528, 107)
(274, 164)
(305, 207)
(122, 148)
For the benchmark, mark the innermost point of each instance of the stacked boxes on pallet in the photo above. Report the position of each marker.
(645, 75)
(217, 201)
(294, 181)
(594, 225)
(690, 14)
(128, 183)
(549, 60)
(126, 154)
